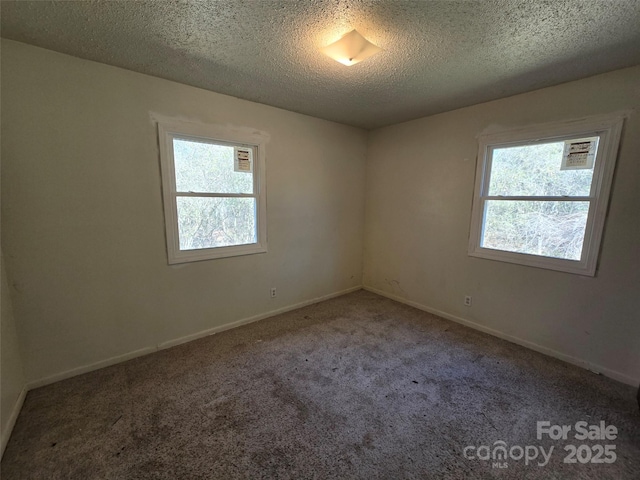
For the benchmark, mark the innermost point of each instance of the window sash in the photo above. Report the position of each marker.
(255, 184)
(218, 195)
(588, 225)
(210, 141)
(552, 139)
(531, 198)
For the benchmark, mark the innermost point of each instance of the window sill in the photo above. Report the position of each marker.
(528, 260)
(186, 256)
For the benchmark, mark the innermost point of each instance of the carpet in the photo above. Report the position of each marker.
(357, 387)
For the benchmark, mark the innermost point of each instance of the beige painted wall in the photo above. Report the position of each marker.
(12, 381)
(420, 179)
(83, 228)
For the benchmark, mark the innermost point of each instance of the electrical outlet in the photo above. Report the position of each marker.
(467, 301)
(273, 292)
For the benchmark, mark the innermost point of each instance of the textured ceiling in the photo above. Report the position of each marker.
(438, 55)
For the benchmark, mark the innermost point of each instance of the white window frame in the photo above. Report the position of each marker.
(168, 129)
(608, 128)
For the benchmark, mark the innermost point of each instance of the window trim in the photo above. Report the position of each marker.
(168, 129)
(608, 128)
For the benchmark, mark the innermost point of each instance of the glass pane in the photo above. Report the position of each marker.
(216, 222)
(535, 170)
(208, 168)
(550, 229)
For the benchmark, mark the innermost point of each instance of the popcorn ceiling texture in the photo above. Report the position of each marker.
(438, 55)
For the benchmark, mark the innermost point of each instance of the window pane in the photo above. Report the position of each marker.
(550, 229)
(208, 168)
(534, 170)
(216, 222)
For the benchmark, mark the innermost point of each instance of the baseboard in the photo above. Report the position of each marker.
(621, 377)
(41, 382)
(178, 341)
(15, 411)
(255, 318)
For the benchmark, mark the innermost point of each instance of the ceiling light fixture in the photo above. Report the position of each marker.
(351, 49)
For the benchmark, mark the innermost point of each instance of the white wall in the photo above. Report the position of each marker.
(83, 228)
(420, 180)
(12, 383)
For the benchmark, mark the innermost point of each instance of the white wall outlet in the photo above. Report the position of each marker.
(273, 292)
(467, 301)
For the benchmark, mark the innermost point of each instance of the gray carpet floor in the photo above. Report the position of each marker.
(357, 387)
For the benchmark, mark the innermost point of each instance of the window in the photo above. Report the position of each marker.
(541, 194)
(213, 184)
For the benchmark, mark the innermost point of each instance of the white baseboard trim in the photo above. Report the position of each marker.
(599, 369)
(255, 318)
(41, 382)
(15, 411)
(178, 341)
